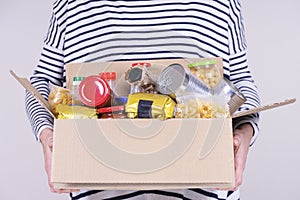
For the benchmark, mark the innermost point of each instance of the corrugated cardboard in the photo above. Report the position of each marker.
(141, 153)
(116, 154)
(100, 154)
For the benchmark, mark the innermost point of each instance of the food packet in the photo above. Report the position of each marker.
(75, 112)
(58, 95)
(199, 106)
(146, 105)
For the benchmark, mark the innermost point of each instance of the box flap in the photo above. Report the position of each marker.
(27, 85)
(264, 107)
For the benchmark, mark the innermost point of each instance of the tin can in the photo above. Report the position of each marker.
(95, 92)
(175, 79)
(233, 96)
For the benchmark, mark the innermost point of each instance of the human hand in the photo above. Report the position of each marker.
(46, 138)
(241, 140)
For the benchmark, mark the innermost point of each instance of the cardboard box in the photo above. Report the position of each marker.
(141, 153)
(103, 154)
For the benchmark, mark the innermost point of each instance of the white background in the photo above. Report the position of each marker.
(273, 35)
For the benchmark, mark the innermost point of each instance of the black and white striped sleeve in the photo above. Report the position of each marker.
(49, 69)
(240, 73)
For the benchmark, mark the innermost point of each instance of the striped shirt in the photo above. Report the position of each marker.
(99, 30)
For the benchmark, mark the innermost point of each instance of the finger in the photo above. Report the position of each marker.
(59, 190)
(239, 169)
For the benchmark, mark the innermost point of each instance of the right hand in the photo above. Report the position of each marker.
(46, 139)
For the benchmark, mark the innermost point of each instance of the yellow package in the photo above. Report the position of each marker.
(75, 112)
(145, 105)
(58, 95)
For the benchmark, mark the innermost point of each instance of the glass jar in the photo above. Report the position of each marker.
(110, 78)
(116, 112)
(138, 76)
(95, 92)
(75, 90)
(206, 71)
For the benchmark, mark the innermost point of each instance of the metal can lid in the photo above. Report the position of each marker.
(108, 75)
(111, 109)
(135, 74)
(146, 64)
(202, 63)
(94, 91)
(171, 79)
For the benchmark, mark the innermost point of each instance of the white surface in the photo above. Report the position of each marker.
(273, 42)
(273, 32)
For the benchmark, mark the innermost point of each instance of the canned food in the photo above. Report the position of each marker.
(233, 96)
(94, 92)
(174, 79)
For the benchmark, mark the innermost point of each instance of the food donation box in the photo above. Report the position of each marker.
(158, 141)
(140, 153)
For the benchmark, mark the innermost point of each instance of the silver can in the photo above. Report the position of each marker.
(233, 96)
(175, 79)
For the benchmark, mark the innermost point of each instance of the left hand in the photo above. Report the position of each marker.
(241, 140)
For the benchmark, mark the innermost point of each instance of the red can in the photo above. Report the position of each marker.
(95, 92)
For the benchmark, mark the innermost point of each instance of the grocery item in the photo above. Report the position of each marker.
(206, 71)
(140, 78)
(117, 112)
(174, 79)
(74, 91)
(75, 112)
(232, 95)
(199, 106)
(145, 105)
(58, 95)
(110, 78)
(95, 92)
(120, 100)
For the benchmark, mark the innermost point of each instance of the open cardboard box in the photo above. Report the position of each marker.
(141, 153)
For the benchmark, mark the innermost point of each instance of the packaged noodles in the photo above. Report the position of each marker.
(197, 106)
(146, 105)
(75, 112)
(58, 95)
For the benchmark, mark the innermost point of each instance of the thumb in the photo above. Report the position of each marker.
(236, 143)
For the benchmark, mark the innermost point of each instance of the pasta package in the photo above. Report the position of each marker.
(196, 106)
(58, 95)
(146, 105)
(75, 112)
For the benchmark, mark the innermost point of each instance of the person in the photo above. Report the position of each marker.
(94, 30)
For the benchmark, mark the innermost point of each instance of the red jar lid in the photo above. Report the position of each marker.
(108, 75)
(111, 109)
(146, 64)
(94, 91)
